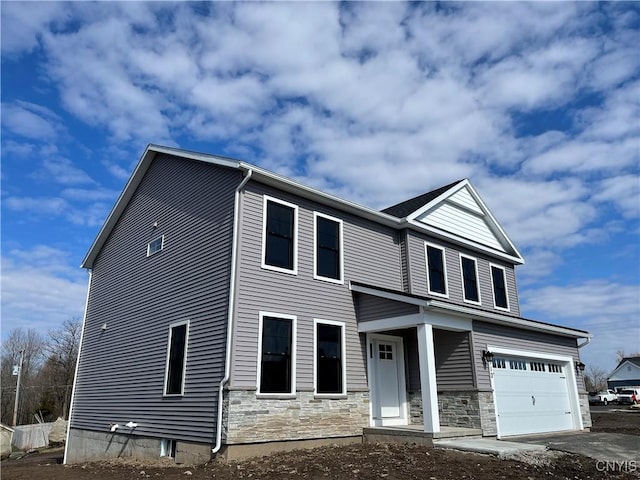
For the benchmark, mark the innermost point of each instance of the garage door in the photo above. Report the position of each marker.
(531, 396)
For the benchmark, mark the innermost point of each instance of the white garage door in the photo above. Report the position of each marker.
(531, 396)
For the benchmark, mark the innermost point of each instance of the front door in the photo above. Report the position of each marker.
(386, 374)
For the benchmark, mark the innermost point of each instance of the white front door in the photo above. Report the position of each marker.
(386, 374)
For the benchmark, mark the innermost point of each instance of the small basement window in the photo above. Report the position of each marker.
(155, 246)
(168, 448)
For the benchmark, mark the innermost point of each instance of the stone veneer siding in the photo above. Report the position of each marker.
(583, 400)
(250, 419)
(464, 408)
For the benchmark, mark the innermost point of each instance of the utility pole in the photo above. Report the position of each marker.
(15, 407)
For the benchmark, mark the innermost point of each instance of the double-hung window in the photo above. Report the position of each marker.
(328, 256)
(436, 270)
(276, 354)
(279, 239)
(330, 372)
(470, 286)
(499, 283)
(176, 358)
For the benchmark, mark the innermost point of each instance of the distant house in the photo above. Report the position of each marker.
(231, 308)
(627, 373)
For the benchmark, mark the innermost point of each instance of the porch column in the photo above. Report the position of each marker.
(426, 354)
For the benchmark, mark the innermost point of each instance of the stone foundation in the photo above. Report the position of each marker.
(249, 419)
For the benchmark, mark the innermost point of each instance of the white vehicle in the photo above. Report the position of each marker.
(630, 395)
(604, 397)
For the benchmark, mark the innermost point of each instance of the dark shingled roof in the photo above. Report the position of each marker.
(407, 207)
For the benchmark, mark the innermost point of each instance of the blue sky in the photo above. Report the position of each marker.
(536, 103)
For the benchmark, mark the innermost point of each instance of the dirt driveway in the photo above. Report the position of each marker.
(390, 462)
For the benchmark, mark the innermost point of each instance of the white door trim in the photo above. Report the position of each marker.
(569, 366)
(373, 387)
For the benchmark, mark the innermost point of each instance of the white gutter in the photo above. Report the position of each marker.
(75, 375)
(232, 290)
(587, 342)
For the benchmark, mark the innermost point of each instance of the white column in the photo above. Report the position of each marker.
(426, 354)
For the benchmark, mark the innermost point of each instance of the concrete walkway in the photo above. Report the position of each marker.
(488, 445)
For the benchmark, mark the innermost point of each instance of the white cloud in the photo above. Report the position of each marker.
(608, 310)
(30, 120)
(39, 290)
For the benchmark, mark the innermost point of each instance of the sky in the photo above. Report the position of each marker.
(538, 104)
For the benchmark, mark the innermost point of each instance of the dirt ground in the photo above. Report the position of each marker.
(379, 461)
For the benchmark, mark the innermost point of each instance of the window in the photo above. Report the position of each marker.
(279, 242)
(498, 280)
(330, 365)
(436, 270)
(154, 246)
(469, 279)
(176, 359)
(328, 248)
(276, 373)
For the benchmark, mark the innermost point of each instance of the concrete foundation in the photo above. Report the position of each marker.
(85, 445)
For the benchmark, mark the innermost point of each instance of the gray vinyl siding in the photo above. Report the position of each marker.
(454, 368)
(122, 369)
(418, 273)
(454, 365)
(375, 308)
(371, 255)
(404, 257)
(507, 337)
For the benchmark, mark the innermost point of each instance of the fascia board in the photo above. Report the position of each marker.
(507, 320)
(283, 183)
(421, 227)
(493, 223)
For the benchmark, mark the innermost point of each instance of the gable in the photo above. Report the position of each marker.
(460, 215)
(626, 371)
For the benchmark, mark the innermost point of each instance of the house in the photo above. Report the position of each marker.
(626, 374)
(231, 308)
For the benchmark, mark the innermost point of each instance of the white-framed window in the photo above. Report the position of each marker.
(276, 354)
(499, 287)
(176, 365)
(155, 245)
(328, 253)
(329, 354)
(470, 284)
(436, 270)
(279, 235)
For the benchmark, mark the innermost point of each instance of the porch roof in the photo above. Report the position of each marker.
(442, 306)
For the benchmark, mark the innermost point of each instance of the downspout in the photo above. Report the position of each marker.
(232, 291)
(75, 375)
(587, 342)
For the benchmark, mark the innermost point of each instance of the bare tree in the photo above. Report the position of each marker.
(59, 368)
(620, 355)
(595, 378)
(33, 345)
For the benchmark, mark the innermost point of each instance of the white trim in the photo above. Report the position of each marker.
(184, 359)
(464, 295)
(343, 357)
(506, 289)
(569, 370)
(391, 323)
(293, 319)
(444, 269)
(75, 374)
(315, 248)
(149, 252)
(493, 224)
(264, 265)
(428, 383)
(389, 295)
(372, 376)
